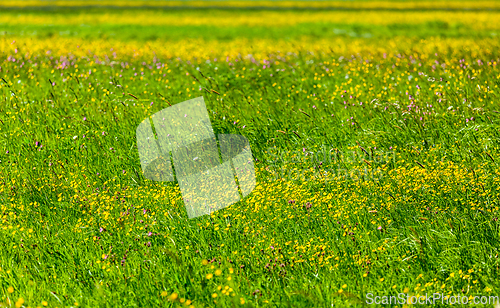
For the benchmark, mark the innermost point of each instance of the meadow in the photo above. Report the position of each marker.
(375, 136)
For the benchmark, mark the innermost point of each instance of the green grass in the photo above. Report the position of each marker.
(319, 29)
(314, 30)
(431, 211)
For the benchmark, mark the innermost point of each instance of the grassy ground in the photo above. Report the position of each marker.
(376, 146)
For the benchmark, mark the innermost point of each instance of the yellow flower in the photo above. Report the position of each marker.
(10, 289)
(214, 295)
(44, 303)
(209, 276)
(19, 302)
(173, 296)
(164, 293)
(218, 272)
(204, 262)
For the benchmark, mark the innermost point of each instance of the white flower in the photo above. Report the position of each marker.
(74, 137)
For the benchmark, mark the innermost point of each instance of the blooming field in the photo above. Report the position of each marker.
(375, 144)
(314, 4)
